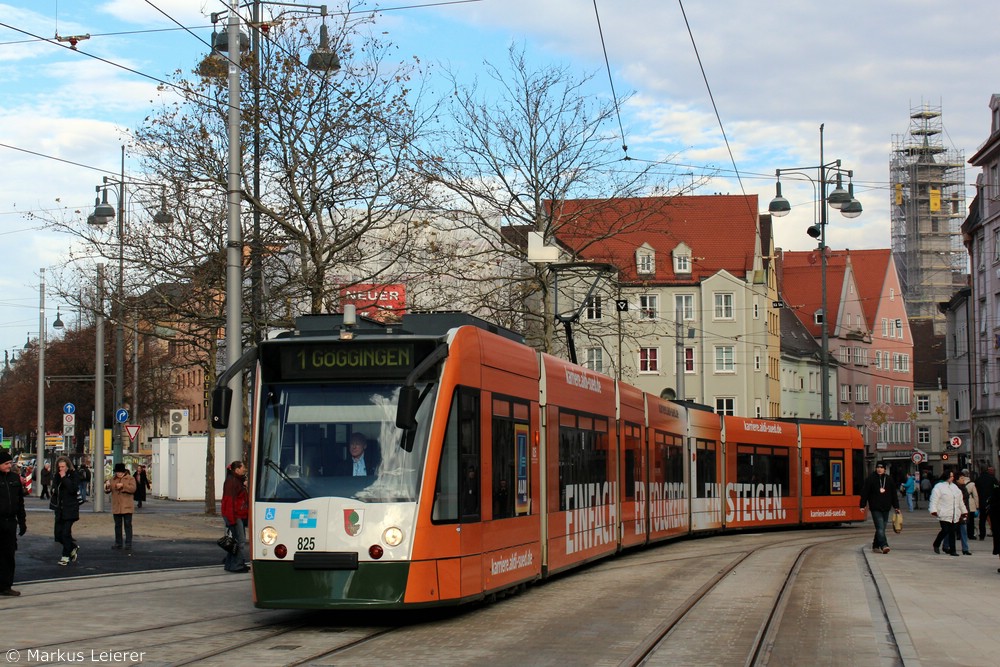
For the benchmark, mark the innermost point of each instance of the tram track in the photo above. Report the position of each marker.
(657, 647)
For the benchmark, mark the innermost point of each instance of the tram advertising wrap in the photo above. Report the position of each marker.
(439, 460)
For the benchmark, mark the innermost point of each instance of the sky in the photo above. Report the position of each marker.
(770, 73)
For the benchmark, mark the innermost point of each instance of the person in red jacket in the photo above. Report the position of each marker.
(236, 511)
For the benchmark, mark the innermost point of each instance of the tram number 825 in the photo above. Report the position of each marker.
(306, 544)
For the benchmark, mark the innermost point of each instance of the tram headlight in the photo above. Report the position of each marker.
(268, 535)
(392, 536)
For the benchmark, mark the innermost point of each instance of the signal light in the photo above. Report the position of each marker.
(944, 456)
(375, 551)
(281, 551)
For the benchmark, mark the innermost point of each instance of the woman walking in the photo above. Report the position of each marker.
(948, 507)
(66, 507)
(236, 511)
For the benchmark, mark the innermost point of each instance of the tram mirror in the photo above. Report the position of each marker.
(406, 411)
(222, 401)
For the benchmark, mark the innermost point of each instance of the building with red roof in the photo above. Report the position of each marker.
(697, 266)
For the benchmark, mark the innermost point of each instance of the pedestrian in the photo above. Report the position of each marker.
(925, 486)
(879, 494)
(909, 490)
(67, 510)
(972, 503)
(12, 521)
(121, 486)
(985, 485)
(46, 479)
(83, 477)
(916, 490)
(963, 524)
(141, 485)
(946, 504)
(236, 511)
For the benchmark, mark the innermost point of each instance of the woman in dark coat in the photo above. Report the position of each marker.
(66, 508)
(141, 484)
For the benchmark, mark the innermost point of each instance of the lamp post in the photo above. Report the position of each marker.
(323, 59)
(40, 440)
(849, 207)
(102, 215)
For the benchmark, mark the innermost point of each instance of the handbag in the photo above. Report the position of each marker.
(897, 523)
(228, 544)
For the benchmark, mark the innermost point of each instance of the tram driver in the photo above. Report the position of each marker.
(361, 462)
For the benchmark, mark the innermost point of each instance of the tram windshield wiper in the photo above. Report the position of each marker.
(281, 473)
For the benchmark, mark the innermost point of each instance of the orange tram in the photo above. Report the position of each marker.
(487, 465)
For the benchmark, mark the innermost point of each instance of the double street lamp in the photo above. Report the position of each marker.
(322, 60)
(849, 207)
(103, 214)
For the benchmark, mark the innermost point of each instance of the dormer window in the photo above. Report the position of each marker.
(682, 258)
(645, 260)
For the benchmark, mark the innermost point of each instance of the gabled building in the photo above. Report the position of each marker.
(801, 395)
(981, 235)
(868, 338)
(699, 291)
(891, 373)
(960, 366)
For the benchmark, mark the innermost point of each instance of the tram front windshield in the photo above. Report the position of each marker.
(339, 440)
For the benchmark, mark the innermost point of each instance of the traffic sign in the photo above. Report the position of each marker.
(916, 458)
(69, 409)
(955, 442)
(132, 430)
(69, 419)
(121, 415)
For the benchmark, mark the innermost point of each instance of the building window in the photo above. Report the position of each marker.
(756, 358)
(689, 360)
(756, 309)
(645, 262)
(923, 403)
(648, 307)
(923, 435)
(684, 306)
(682, 263)
(725, 359)
(649, 360)
(901, 395)
(594, 307)
(892, 294)
(878, 393)
(595, 359)
(878, 359)
(845, 393)
(725, 405)
(860, 393)
(723, 305)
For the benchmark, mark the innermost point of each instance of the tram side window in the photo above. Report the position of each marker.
(457, 492)
(510, 482)
(762, 465)
(669, 457)
(827, 472)
(633, 461)
(583, 451)
(706, 469)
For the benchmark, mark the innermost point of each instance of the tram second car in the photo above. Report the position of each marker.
(441, 461)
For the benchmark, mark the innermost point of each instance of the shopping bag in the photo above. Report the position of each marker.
(897, 522)
(228, 544)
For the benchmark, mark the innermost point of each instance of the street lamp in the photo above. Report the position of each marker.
(849, 207)
(322, 60)
(102, 215)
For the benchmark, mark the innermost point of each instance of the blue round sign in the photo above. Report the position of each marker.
(69, 409)
(121, 415)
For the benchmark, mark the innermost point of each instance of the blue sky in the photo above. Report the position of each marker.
(777, 70)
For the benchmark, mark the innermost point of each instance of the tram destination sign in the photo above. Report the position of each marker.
(351, 360)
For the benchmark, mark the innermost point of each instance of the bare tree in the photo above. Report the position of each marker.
(512, 155)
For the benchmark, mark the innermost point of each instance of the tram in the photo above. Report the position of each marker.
(485, 465)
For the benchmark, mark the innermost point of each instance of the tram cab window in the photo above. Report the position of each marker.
(827, 472)
(304, 443)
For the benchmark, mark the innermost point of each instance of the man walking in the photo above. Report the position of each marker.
(985, 484)
(46, 479)
(879, 494)
(122, 489)
(12, 521)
